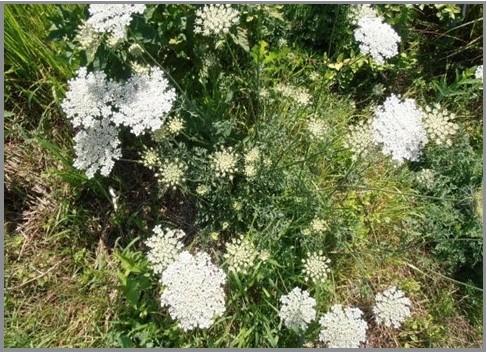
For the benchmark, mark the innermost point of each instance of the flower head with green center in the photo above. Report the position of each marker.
(359, 139)
(316, 267)
(240, 255)
(171, 174)
(150, 158)
(224, 162)
(317, 128)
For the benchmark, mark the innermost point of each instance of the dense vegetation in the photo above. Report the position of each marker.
(270, 127)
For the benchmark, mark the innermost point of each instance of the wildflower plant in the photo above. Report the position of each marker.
(164, 247)
(240, 255)
(297, 309)
(391, 307)
(316, 267)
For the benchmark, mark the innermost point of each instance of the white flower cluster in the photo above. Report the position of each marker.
(317, 128)
(164, 247)
(397, 127)
(297, 309)
(298, 94)
(316, 267)
(112, 18)
(202, 190)
(145, 101)
(359, 139)
(361, 11)
(215, 20)
(175, 126)
(87, 37)
(251, 159)
(316, 227)
(375, 37)
(97, 148)
(224, 162)
(92, 100)
(89, 98)
(150, 158)
(439, 125)
(343, 327)
(193, 290)
(426, 178)
(479, 72)
(171, 174)
(240, 254)
(392, 307)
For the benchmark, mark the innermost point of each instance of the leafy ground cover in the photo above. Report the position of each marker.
(251, 144)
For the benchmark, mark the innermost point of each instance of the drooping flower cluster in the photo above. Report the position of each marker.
(92, 100)
(112, 18)
(343, 327)
(97, 148)
(145, 101)
(391, 307)
(171, 174)
(375, 37)
(251, 160)
(240, 254)
(193, 290)
(398, 128)
(298, 94)
(479, 72)
(164, 247)
(317, 128)
(359, 139)
(439, 125)
(224, 162)
(316, 267)
(297, 309)
(215, 20)
(426, 178)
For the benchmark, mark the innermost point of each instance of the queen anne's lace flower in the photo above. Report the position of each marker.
(112, 18)
(171, 174)
(343, 327)
(240, 254)
(316, 267)
(97, 148)
(359, 139)
(202, 190)
(361, 11)
(479, 72)
(250, 162)
(146, 100)
(391, 308)
(376, 38)
(175, 125)
(193, 290)
(297, 309)
(316, 227)
(426, 178)
(397, 127)
(224, 162)
(439, 125)
(89, 98)
(164, 247)
(298, 94)
(87, 37)
(317, 128)
(215, 20)
(150, 158)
